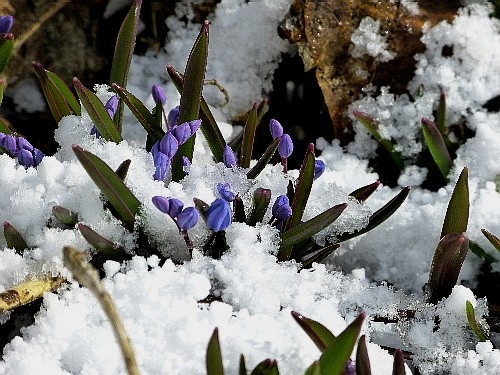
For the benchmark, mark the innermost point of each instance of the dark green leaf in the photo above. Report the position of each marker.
(363, 193)
(494, 240)
(13, 238)
(264, 159)
(446, 264)
(4, 128)
(262, 109)
(3, 86)
(239, 210)
(441, 120)
(116, 192)
(457, 214)
(437, 147)
(122, 169)
(398, 367)
(261, 200)
(362, 360)
(317, 332)
(102, 244)
(214, 355)
(65, 216)
(318, 255)
(379, 216)
(191, 96)
(141, 113)
(481, 253)
(124, 49)
(474, 325)
(242, 370)
(6, 49)
(314, 369)
(248, 137)
(335, 357)
(97, 112)
(209, 126)
(372, 125)
(202, 208)
(266, 367)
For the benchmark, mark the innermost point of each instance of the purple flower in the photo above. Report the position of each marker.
(9, 143)
(169, 145)
(186, 163)
(319, 168)
(95, 132)
(25, 158)
(112, 106)
(161, 203)
(182, 132)
(285, 147)
(6, 23)
(276, 129)
(158, 95)
(280, 201)
(37, 156)
(225, 191)
(219, 215)
(23, 143)
(228, 157)
(162, 165)
(187, 218)
(283, 212)
(175, 207)
(194, 125)
(173, 115)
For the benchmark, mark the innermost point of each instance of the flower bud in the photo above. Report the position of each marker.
(283, 212)
(229, 157)
(9, 143)
(23, 143)
(175, 207)
(6, 23)
(219, 215)
(285, 147)
(162, 164)
(319, 168)
(112, 106)
(225, 191)
(187, 218)
(172, 117)
(158, 94)
(194, 125)
(276, 129)
(37, 157)
(161, 203)
(25, 158)
(280, 201)
(182, 132)
(169, 145)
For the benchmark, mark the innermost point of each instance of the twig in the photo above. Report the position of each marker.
(88, 276)
(213, 82)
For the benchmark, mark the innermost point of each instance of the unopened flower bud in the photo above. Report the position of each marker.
(37, 156)
(6, 23)
(225, 191)
(175, 207)
(219, 215)
(169, 145)
(194, 125)
(25, 158)
(285, 147)
(162, 165)
(172, 117)
(229, 157)
(112, 106)
(9, 143)
(280, 201)
(23, 143)
(161, 203)
(276, 129)
(187, 218)
(319, 168)
(182, 132)
(158, 94)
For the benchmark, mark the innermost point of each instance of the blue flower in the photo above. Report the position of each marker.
(319, 168)
(219, 215)
(182, 132)
(225, 191)
(158, 95)
(280, 201)
(170, 206)
(112, 106)
(169, 145)
(9, 143)
(173, 115)
(162, 165)
(187, 218)
(228, 157)
(276, 129)
(6, 23)
(285, 147)
(161, 203)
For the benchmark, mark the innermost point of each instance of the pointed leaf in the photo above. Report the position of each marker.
(441, 114)
(481, 253)
(362, 361)
(314, 369)
(262, 109)
(3, 86)
(266, 367)
(124, 49)
(141, 113)
(318, 255)
(202, 208)
(372, 125)
(214, 355)
(248, 138)
(446, 264)
(312, 226)
(474, 325)
(437, 147)
(335, 357)
(261, 200)
(364, 192)
(494, 240)
(13, 238)
(209, 126)
(4, 128)
(242, 370)
(65, 216)
(102, 244)
(111, 185)
(379, 216)
(398, 367)
(191, 96)
(457, 214)
(317, 332)
(6, 49)
(264, 159)
(122, 169)
(97, 112)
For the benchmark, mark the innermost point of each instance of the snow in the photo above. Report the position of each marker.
(381, 273)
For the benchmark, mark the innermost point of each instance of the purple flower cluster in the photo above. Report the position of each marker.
(19, 147)
(185, 218)
(163, 151)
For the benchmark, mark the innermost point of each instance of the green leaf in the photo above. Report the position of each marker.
(314, 369)
(242, 370)
(116, 192)
(65, 216)
(191, 96)
(239, 210)
(379, 216)
(262, 109)
(494, 240)
(457, 214)
(474, 325)
(260, 202)
(372, 125)
(335, 357)
(437, 147)
(266, 367)
(481, 253)
(6, 49)
(398, 366)
(441, 120)
(312, 226)
(122, 169)
(317, 332)
(124, 49)
(97, 112)
(13, 238)
(318, 255)
(214, 355)
(3, 86)
(102, 244)
(364, 192)
(362, 360)
(446, 264)
(141, 113)
(264, 159)
(248, 137)
(209, 126)
(58, 95)
(4, 128)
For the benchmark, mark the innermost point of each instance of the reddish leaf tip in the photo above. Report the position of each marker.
(206, 26)
(310, 148)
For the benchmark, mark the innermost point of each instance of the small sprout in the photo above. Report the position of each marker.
(473, 323)
(159, 95)
(6, 23)
(276, 129)
(229, 157)
(13, 238)
(398, 366)
(261, 199)
(219, 215)
(225, 191)
(319, 168)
